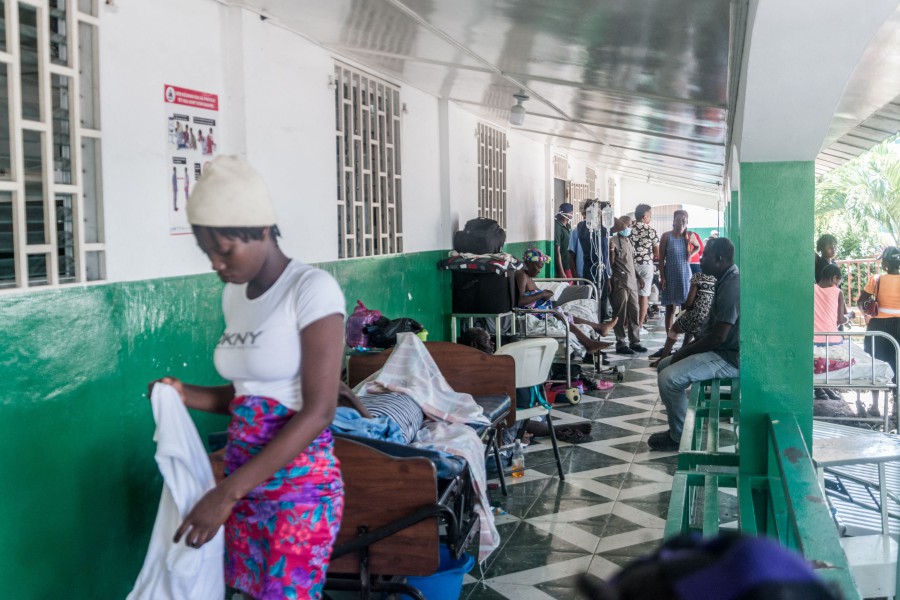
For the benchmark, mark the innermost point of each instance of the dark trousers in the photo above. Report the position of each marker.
(625, 306)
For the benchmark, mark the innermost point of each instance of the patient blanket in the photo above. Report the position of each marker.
(848, 363)
(461, 440)
(411, 370)
(583, 309)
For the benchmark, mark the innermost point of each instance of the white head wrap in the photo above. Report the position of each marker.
(230, 194)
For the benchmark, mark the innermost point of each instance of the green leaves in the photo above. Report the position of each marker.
(859, 202)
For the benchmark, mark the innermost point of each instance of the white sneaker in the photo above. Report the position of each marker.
(644, 331)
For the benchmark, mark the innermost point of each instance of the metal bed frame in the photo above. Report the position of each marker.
(873, 385)
(573, 396)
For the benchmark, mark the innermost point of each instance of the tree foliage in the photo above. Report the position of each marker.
(859, 202)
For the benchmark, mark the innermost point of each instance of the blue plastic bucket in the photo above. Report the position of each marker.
(446, 583)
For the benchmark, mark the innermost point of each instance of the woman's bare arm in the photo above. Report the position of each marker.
(321, 350)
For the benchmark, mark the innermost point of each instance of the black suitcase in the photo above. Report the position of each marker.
(483, 292)
(480, 236)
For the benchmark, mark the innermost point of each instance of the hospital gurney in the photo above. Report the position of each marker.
(401, 502)
(862, 373)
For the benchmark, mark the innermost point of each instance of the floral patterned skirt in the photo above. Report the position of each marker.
(279, 537)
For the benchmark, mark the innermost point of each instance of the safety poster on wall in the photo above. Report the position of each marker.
(192, 128)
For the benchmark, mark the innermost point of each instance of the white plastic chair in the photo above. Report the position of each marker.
(533, 357)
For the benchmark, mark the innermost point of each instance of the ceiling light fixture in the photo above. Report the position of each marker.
(517, 112)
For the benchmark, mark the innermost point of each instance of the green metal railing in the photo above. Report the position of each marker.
(786, 503)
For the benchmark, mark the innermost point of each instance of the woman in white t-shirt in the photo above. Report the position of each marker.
(282, 500)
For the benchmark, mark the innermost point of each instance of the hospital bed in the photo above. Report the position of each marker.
(402, 503)
(863, 373)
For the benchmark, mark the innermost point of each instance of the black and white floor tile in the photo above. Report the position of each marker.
(610, 509)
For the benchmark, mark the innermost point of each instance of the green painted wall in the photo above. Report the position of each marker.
(776, 224)
(80, 486)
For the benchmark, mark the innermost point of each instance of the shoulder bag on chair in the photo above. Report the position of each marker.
(870, 306)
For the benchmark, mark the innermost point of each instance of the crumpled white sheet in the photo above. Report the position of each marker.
(583, 309)
(175, 571)
(461, 440)
(411, 370)
(861, 370)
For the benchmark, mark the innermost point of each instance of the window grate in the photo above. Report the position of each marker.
(578, 193)
(590, 176)
(612, 194)
(492, 173)
(560, 167)
(369, 215)
(51, 229)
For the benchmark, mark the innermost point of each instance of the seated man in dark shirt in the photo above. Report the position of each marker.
(713, 355)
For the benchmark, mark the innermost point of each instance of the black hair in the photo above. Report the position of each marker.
(680, 211)
(824, 241)
(477, 338)
(587, 203)
(830, 270)
(720, 247)
(640, 210)
(245, 234)
(891, 256)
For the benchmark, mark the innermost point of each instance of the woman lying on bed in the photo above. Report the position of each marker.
(398, 408)
(409, 390)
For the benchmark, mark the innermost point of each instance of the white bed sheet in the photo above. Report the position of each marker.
(861, 370)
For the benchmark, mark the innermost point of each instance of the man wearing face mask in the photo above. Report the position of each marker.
(624, 294)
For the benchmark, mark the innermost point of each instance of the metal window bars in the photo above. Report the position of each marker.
(492, 173)
(367, 118)
(51, 224)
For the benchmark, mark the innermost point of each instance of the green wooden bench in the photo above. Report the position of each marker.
(709, 402)
(786, 503)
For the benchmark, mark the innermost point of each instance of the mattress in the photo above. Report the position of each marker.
(860, 372)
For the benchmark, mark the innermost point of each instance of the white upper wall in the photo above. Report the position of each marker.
(792, 84)
(143, 47)
(277, 109)
(528, 205)
(635, 191)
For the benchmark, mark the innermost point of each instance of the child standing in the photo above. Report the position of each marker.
(689, 322)
(624, 294)
(829, 313)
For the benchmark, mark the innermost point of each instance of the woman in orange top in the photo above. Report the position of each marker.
(885, 288)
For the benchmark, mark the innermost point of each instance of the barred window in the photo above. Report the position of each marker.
(369, 203)
(578, 193)
(492, 173)
(51, 224)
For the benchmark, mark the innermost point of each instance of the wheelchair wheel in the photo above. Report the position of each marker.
(573, 396)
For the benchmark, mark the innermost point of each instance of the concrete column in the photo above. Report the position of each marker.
(734, 225)
(775, 221)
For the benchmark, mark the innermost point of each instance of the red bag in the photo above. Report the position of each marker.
(362, 317)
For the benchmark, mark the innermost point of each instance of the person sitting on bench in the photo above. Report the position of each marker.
(715, 352)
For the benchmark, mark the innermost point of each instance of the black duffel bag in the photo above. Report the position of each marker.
(383, 332)
(480, 236)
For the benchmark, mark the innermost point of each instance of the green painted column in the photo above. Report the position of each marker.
(775, 216)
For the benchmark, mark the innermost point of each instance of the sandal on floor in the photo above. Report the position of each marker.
(583, 427)
(571, 435)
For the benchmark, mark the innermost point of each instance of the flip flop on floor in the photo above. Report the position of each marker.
(571, 435)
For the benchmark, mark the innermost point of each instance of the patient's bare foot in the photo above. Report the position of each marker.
(604, 328)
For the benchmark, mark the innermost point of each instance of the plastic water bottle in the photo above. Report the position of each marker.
(518, 460)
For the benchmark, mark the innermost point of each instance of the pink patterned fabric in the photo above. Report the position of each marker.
(278, 538)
